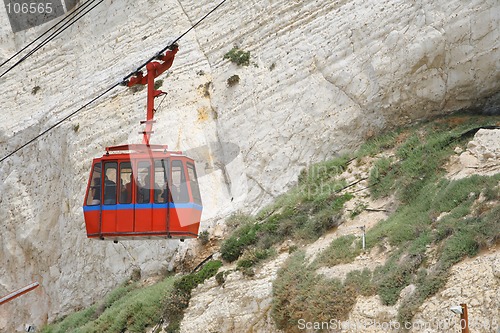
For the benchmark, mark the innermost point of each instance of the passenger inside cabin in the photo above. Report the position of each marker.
(126, 192)
(164, 193)
(158, 194)
(109, 191)
(174, 190)
(96, 191)
(174, 193)
(143, 192)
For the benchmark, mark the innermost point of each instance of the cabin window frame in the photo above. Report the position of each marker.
(193, 183)
(93, 198)
(179, 191)
(143, 187)
(161, 188)
(109, 185)
(126, 188)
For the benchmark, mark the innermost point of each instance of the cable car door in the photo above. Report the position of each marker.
(125, 208)
(160, 196)
(109, 192)
(143, 207)
(92, 205)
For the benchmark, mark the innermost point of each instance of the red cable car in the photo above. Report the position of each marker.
(143, 191)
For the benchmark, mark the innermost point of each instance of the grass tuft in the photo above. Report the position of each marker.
(126, 308)
(237, 56)
(341, 251)
(433, 212)
(300, 293)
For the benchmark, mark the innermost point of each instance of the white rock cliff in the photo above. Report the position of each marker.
(323, 77)
(244, 304)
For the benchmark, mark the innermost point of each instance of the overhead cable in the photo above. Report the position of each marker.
(71, 19)
(110, 88)
(46, 32)
(172, 43)
(59, 122)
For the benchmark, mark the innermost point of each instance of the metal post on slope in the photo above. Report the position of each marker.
(363, 237)
(464, 319)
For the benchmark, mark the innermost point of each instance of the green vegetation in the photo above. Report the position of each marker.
(437, 223)
(35, 90)
(341, 250)
(457, 218)
(178, 300)
(237, 56)
(382, 177)
(233, 80)
(300, 293)
(421, 153)
(394, 276)
(358, 209)
(303, 214)
(251, 257)
(133, 308)
(129, 307)
(361, 282)
(380, 143)
(461, 233)
(158, 84)
(204, 237)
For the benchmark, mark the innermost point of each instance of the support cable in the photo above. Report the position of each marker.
(59, 122)
(59, 31)
(172, 43)
(72, 20)
(46, 32)
(110, 88)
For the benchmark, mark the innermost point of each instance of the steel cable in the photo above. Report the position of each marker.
(52, 36)
(109, 89)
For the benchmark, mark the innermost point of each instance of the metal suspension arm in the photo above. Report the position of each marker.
(154, 69)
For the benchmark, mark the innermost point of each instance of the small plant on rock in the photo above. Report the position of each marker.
(204, 237)
(239, 57)
(233, 80)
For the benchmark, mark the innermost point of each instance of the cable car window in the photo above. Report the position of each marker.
(125, 183)
(179, 186)
(143, 182)
(160, 181)
(193, 182)
(110, 175)
(94, 194)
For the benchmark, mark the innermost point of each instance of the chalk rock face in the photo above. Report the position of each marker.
(486, 145)
(481, 157)
(327, 75)
(322, 77)
(240, 304)
(474, 282)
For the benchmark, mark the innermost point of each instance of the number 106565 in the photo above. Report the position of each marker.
(29, 8)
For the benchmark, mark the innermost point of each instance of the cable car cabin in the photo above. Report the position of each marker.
(148, 193)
